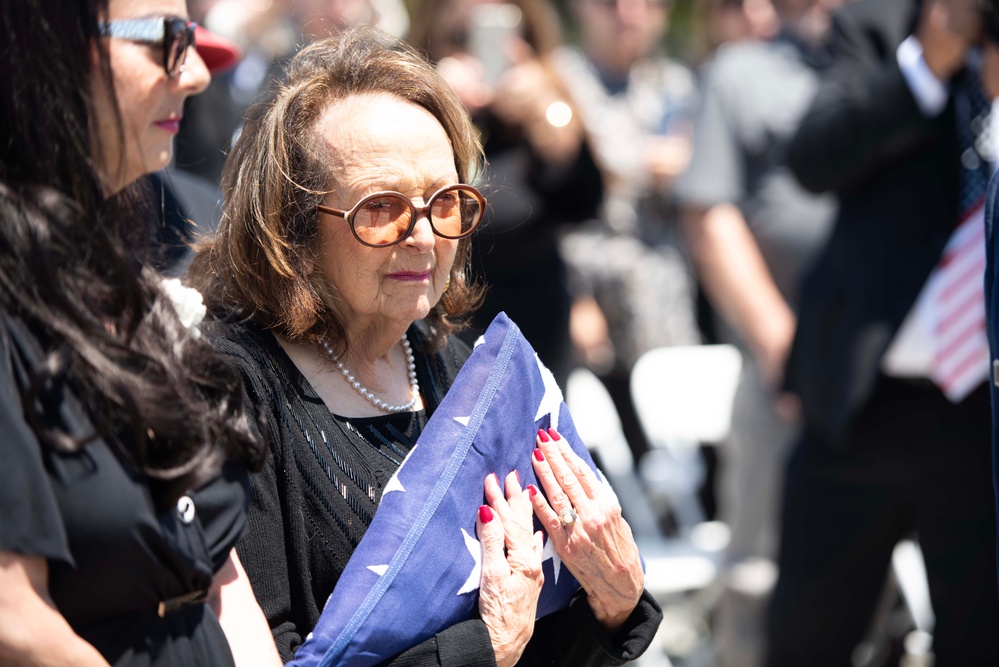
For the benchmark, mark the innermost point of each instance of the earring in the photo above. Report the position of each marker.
(448, 283)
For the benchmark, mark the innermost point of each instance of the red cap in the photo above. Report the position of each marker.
(219, 53)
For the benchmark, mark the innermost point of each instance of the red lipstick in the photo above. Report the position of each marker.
(411, 276)
(171, 125)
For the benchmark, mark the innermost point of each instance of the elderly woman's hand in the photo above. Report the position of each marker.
(597, 547)
(511, 582)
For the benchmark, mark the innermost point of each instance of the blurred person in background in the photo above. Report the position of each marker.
(542, 175)
(124, 437)
(752, 229)
(725, 21)
(210, 119)
(268, 32)
(632, 282)
(890, 359)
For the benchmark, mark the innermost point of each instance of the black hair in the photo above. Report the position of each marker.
(71, 267)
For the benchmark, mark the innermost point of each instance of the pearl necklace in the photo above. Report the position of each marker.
(363, 391)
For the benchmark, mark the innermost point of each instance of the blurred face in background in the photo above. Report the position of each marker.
(809, 19)
(616, 33)
(472, 71)
(451, 33)
(322, 18)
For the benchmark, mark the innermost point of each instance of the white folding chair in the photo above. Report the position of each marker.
(683, 396)
(671, 566)
(676, 571)
(599, 426)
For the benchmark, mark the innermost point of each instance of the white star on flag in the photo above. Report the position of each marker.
(551, 402)
(474, 548)
(549, 553)
(395, 483)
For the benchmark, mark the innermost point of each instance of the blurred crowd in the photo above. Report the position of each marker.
(786, 183)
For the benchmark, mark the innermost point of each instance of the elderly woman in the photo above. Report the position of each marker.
(124, 486)
(338, 274)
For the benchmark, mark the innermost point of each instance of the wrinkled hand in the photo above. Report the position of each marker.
(511, 582)
(598, 548)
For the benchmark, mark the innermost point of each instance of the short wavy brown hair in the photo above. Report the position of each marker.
(260, 263)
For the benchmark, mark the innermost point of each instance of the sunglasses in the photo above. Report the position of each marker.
(386, 218)
(174, 34)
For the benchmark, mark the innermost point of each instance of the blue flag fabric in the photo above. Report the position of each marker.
(417, 569)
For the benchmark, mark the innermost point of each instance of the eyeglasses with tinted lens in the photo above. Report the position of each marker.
(174, 34)
(385, 218)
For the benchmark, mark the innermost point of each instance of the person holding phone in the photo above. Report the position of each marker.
(123, 436)
(542, 175)
(633, 285)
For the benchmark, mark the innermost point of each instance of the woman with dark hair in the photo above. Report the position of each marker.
(339, 273)
(125, 444)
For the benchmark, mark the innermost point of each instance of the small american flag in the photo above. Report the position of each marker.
(417, 569)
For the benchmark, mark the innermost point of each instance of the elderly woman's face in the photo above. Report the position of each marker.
(378, 142)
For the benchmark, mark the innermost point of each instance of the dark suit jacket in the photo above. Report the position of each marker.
(896, 174)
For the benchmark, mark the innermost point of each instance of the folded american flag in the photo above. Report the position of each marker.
(417, 569)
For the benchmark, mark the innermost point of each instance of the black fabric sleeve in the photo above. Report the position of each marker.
(863, 118)
(464, 644)
(30, 521)
(574, 637)
(262, 553)
(222, 508)
(571, 637)
(262, 549)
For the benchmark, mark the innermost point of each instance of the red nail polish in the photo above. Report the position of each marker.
(532, 491)
(544, 436)
(539, 455)
(516, 474)
(485, 513)
(554, 434)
